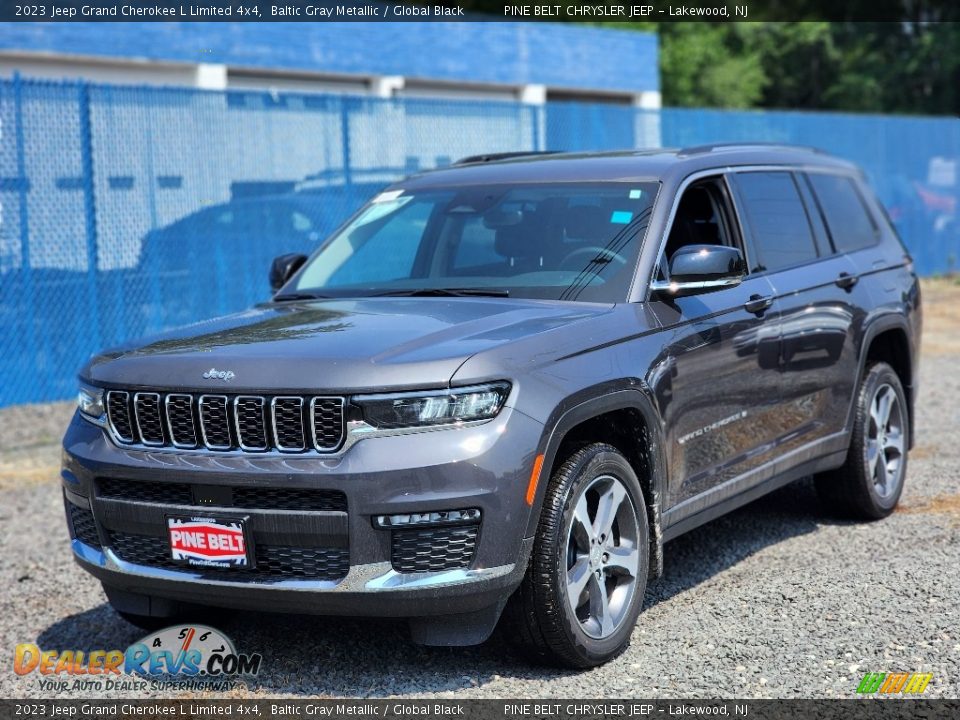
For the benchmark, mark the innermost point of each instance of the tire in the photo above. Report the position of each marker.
(567, 553)
(869, 483)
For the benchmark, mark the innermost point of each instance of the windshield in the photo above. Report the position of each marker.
(558, 241)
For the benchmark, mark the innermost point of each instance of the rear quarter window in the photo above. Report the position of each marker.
(849, 223)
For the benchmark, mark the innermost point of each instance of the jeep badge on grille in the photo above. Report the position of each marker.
(214, 374)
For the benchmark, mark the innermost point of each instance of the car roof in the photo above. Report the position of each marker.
(628, 165)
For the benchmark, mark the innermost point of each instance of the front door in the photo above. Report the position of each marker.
(717, 374)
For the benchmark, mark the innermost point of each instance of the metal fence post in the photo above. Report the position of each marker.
(90, 211)
(537, 120)
(29, 300)
(345, 138)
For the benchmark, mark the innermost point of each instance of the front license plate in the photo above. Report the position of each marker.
(209, 541)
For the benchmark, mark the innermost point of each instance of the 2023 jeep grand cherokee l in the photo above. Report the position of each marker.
(507, 384)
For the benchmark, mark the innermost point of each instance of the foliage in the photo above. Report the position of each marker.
(909, 67)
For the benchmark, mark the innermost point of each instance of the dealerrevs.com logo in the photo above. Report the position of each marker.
(894, 683)
(180, 657)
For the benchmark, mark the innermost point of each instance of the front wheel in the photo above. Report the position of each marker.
(580, 599)
(869, 483)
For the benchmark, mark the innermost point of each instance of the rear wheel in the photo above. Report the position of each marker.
(579, 601)
(869, 484)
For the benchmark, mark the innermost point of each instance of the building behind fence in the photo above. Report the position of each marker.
(128, 210)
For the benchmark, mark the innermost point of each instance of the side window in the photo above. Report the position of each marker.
(776, 220)
(702, 218)
(848, 222)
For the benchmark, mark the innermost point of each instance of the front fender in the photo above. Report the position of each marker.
(589, 403)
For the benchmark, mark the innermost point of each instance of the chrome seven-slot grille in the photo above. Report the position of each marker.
(252, 423)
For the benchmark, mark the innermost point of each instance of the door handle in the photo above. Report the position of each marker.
(846, 281)
(758, 303)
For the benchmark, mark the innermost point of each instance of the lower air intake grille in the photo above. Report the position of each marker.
(273, 562)
(84, 527)
(146, 492)
(248, 498)
(433, 549)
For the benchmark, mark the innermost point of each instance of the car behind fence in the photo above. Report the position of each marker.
(125, 210)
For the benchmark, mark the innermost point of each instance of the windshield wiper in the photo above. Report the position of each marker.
(288, 297)
(446, 292)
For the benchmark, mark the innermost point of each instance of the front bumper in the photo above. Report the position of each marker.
(485, 467)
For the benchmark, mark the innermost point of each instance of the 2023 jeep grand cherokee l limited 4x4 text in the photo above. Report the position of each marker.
(499, 389)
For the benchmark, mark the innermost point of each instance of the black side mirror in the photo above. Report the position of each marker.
(283, 268)
(703, 268)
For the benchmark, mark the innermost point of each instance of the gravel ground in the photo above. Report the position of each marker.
(774, 600)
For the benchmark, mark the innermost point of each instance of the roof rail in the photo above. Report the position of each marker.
(494, 157)
(720, 147)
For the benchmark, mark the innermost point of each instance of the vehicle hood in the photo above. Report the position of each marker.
(343, 346)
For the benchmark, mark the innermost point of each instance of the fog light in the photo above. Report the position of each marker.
(438, 517)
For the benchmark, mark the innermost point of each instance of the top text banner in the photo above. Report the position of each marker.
(318, 11)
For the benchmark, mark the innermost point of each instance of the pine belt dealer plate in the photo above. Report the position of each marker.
(212, 542)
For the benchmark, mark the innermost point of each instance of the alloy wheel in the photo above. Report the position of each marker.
(885, 441)
(603, 556)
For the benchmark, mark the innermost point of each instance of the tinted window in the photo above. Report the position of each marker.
(777, 220)
(847, 220)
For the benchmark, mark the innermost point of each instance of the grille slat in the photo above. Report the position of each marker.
(288, 424)
(149, 418)
(252, 423)
(215, 422)
(273, 562)
(183, 432)
(118, 411)
(326, 419)
(433, 549)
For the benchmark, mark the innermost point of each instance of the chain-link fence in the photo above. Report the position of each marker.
(128, 210)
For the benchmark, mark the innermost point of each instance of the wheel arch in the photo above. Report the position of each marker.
(623, 415)
(887, 339)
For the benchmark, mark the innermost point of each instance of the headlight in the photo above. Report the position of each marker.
(90, 401)
(446, 407)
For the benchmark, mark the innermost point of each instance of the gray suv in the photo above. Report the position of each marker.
(500, 389)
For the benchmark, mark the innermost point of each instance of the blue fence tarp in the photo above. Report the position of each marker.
(129, 210)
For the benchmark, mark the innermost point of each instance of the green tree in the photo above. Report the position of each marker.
(710, 65)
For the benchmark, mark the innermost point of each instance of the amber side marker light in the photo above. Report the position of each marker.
(534, 479)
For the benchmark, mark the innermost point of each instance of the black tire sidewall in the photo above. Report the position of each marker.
(599, 460)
